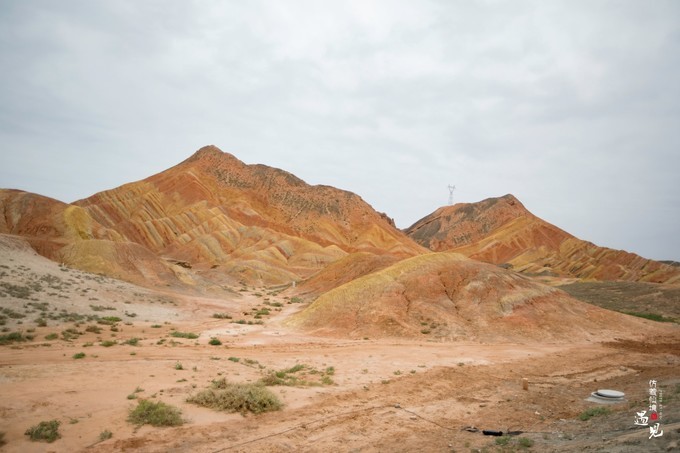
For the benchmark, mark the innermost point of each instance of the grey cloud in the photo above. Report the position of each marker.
(571, 106)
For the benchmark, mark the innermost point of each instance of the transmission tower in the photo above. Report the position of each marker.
(451, 189)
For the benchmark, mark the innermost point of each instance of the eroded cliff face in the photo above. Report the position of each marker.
(502, 231)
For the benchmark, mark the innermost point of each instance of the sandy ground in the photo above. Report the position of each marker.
(386, 395)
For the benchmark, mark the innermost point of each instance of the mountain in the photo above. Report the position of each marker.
(67, 234)
(210, 217)
(447, 297)
(503, 232)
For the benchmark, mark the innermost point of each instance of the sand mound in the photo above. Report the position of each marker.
(448, 297)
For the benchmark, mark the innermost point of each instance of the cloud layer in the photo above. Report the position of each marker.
(574, 107)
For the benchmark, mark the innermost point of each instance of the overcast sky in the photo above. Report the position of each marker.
(572, 106)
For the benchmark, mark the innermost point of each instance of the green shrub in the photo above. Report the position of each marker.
(79, 355)
(189, 335)
(132, 341)
(109, 320)
(650, 316)
(155, 414)
(215, 341)
(230, 397)
(13, 337)
(94, 329)
(108, 343)
(525, 442)
(46, 430)
(234, 359)
(221, 316)
(593, 412)
(105, 435)
(503, 440)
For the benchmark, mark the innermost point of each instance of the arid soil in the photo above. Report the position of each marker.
(383, 394)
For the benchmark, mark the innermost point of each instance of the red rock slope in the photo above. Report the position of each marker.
(211, 216)
(502, 231)
(447, 297)
(252, 221)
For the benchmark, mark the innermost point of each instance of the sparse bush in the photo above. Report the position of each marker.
(594, 412)
(155, 414)
(46, 430)
(215, 341)
(525, 442)
(189, 335)
(13, 337)
(221, 316)
(132, 341)
(503, 440)
(79, 355)
(326, 380)
(178, 366)
(230, 397)
(234, 359)
(108, 343)
(51, 336)
(109, 320)
(299, 375)
(105, 435)
(650, 316)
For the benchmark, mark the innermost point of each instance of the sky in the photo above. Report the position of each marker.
(572, 106)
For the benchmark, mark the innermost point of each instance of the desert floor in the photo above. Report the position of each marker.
(380, 394)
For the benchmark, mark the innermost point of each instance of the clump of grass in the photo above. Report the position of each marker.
(45, 430)
(234, 359)
(105, 435)
(132, 341)
(178, 366)
(525, 442)
(79, 355)
(503, 440)
(13, 337)
(232, 397)
(109, 320)
(650, 316)
(178, 334)
(215, 341)
(108, 343)
(299, 375)
(155, 414)
(94, 329)
(221, 316)
(593, 412)
(51, 336)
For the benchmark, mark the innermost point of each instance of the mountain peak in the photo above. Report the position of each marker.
(208, 150)
(211, 154)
